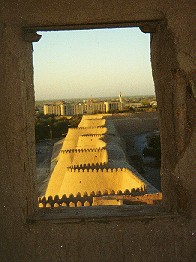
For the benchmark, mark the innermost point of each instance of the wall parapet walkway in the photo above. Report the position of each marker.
(133, 196)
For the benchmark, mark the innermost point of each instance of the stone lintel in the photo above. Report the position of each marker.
(31, 36)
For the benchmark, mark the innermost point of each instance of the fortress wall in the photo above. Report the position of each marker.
(88, 166)
(71, 139)
(91, 117)
(130, 177)
(92, 157)
(78, 149)
(98, 198)
(92, 122)
(73, 158)
(93, 141)
(73, 135)
(58, 173)
(83, 156)
(65, 180)
(91, 130)
(84, 150)
(93, 180)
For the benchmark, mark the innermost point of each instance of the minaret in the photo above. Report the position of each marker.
(121, 102)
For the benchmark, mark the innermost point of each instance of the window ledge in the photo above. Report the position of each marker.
(102, 214)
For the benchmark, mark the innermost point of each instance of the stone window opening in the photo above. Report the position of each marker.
(30, 35)
(129, 193)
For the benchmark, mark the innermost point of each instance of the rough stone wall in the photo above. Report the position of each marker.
(173, 75)
(162, 238)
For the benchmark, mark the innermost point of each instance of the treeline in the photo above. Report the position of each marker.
(153, 148)
(51, 126)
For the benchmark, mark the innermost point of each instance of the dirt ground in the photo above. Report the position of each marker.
(43, 163)
(133, 128)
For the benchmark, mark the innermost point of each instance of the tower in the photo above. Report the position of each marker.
(120, 102)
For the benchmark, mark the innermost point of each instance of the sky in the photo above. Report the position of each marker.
(92, 63)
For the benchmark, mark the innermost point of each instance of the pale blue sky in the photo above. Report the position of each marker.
(97, 63)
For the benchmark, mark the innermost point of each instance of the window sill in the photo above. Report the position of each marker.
(102, 214)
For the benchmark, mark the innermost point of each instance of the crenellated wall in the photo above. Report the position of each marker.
(134, 197)
(75, 133)
(89, 166)
(71, 174)
(99, 129)
(93, 121)
(82, 150)
(90, 141)
(88, 180)
(83, 156)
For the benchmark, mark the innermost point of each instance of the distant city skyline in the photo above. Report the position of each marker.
(92, 63)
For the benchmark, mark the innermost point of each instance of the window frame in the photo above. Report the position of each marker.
(95, 213)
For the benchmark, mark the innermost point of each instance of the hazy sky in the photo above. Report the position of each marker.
(97, 63)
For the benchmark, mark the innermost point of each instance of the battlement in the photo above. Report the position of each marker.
(83, 150)
(88, 165)
(95, 170)
(89, 127)
(92, 135)
(128, 196)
